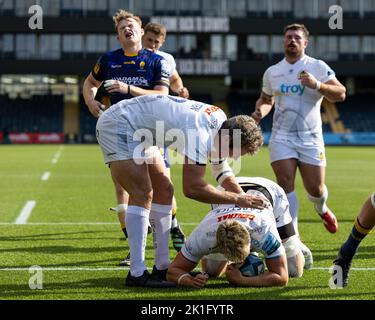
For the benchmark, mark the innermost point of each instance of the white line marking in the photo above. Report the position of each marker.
(79, 223)
(127, 268)
(57, 155)
(69, 269)
(25, 212)
(45, 176)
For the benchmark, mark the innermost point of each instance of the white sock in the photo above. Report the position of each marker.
(136, 225)
(174, 222)
(293, 209)
(320, 203)
(160, 220)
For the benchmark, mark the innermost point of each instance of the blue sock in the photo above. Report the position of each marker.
(349, 248)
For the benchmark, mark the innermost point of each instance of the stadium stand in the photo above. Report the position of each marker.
(44, 113)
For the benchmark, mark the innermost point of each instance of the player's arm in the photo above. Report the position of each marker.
(195, 187)
(277, 274)
(124, 88)
(332, 89)
(90, 87)
(177, 85)
(263, 106)
(178, 272)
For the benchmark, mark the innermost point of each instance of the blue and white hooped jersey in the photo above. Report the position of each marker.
(144, 70)
(297, 108)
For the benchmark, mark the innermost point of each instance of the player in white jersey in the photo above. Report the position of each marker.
(153, 39)
(296, 86)
(233, 232)
(280, 208)
(127, 130)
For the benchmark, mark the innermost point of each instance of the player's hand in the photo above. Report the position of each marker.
(113, 86)
(257, 116)
(307, 80)
(183, 92)
(252, 201)
(199, 281)
(96, 108)
(233, 275)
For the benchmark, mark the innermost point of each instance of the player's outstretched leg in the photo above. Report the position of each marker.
(362, 227)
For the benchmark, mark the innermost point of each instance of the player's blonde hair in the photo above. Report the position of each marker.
(233, 240)
(156, 28)
(251, 133)
(297, 26)
(123, 14)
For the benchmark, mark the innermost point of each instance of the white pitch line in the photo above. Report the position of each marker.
(46, 176)
(25, 212)
(127, 268)
(79, 223)
(57, 155)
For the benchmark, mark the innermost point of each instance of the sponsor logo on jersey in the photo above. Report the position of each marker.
(321, 156)
(136, 81)
(286, 89)
(129, 62)
(142, 64)
(236, 215)
(114, 66)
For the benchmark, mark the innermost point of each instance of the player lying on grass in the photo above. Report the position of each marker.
(233, 232)
(200, 132)
(362, 227)
(284, 223)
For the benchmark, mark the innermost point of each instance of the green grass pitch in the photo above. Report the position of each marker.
(78, 243)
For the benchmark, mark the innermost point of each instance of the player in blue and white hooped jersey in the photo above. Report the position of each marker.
(199, 132)
(296, 86)
(228, 234)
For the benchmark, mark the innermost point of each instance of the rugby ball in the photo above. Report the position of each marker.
(252, 266)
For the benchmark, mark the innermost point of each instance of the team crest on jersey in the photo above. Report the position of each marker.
(96, 68)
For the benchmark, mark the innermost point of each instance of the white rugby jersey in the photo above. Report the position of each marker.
(170, 59)
(187, 125)
(260, 224)
(297, 108)
(280, 201)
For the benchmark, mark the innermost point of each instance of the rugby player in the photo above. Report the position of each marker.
(231, 232)
(199, 132)
(363, 225)
(296, 86)
(125, 73)
(153, 39)
(298, 254)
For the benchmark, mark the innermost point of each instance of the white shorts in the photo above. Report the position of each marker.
(116, 139)
(307, 152)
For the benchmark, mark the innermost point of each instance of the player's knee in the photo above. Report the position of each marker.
(316, 190)
(143, 195)
(286, 182)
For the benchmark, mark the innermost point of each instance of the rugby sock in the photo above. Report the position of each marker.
(293, 208)
(137, 222)
(174, 219)
(160, 220)
(320, 203)
(349, 248)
